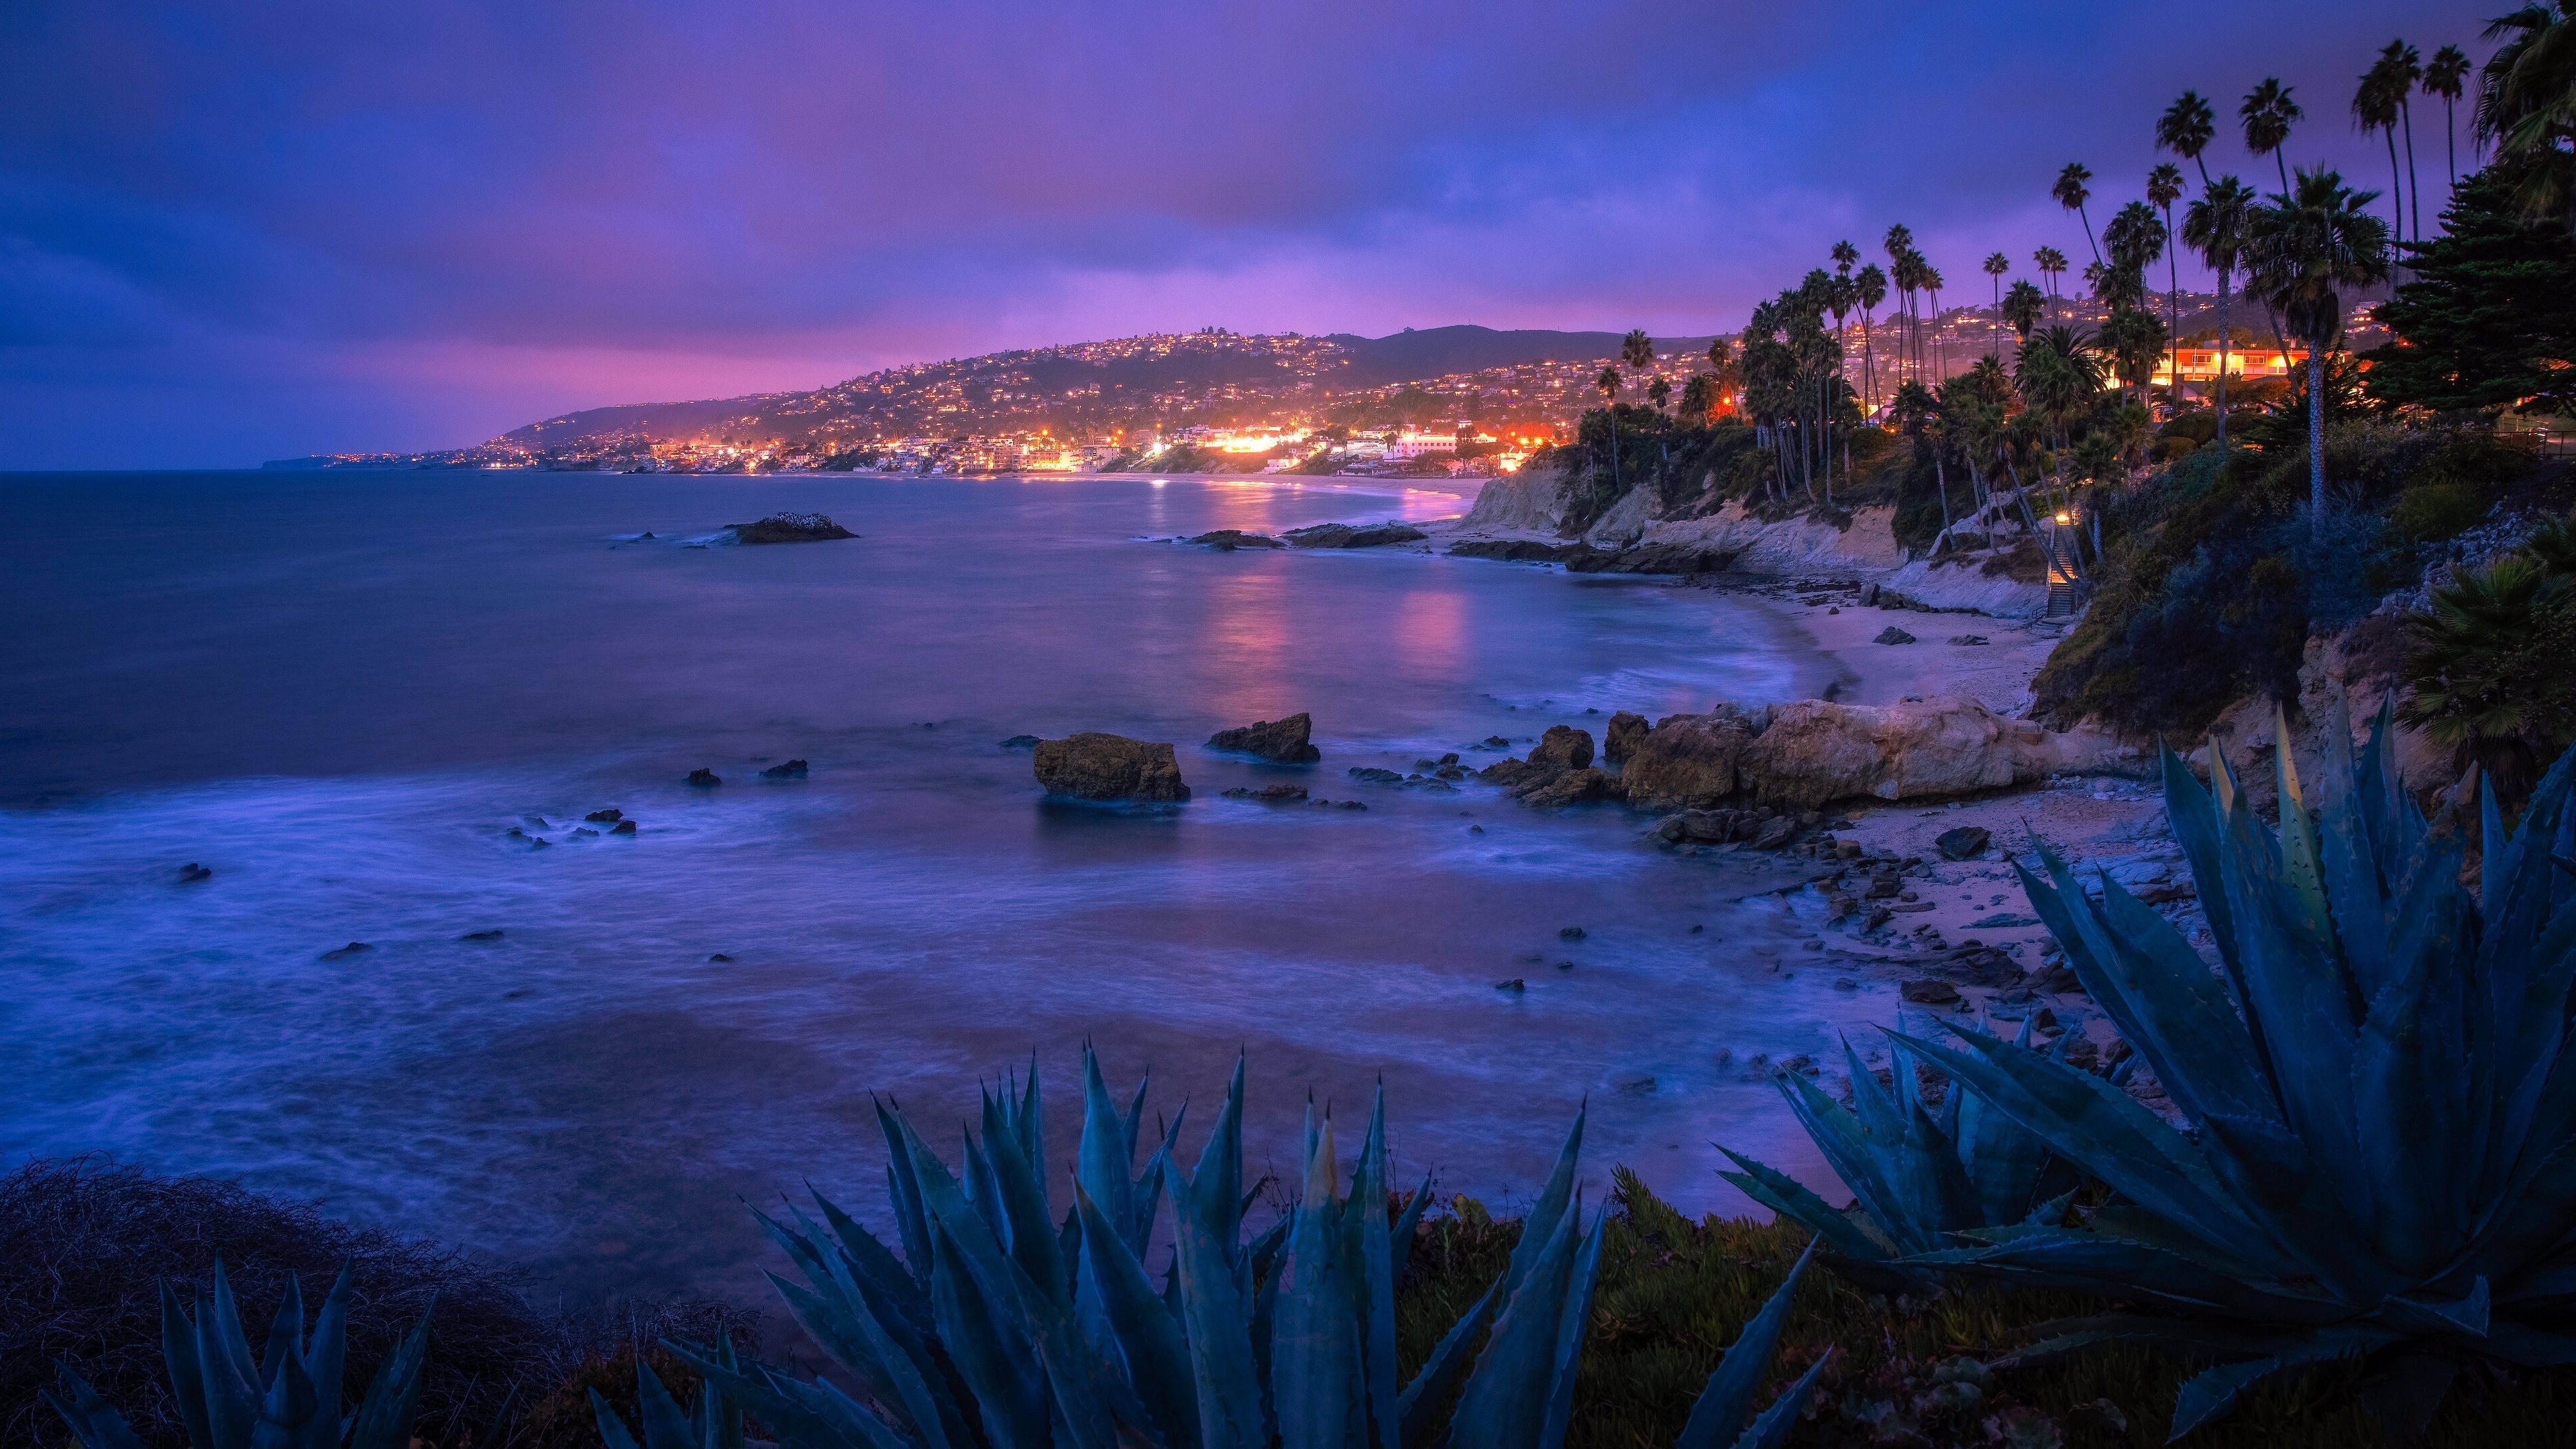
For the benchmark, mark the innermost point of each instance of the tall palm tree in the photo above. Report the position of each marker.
(2406, 67)
(1869, 288)
(2268, 113)
(2375, 108)
(2303, 253)
(2072, 190)
(2052, 265)
(1659, 391)
(1900, 245)
(1840, 295)
(2185, 129)
(2215, 226)
(1995, 267)
(2444, 76)
(2527, 103)
(1932, 284)
(2164, 188)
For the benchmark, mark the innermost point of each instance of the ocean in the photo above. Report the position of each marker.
(343, 693)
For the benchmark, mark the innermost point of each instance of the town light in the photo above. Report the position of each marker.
(2066, 518)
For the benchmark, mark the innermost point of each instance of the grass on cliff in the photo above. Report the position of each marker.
(1674, 1292)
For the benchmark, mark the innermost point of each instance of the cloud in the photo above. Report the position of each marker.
(583, 198)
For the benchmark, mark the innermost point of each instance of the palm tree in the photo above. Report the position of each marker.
(2022, 307)
(2444, 77)
(1900, 245)
(2527, 103)
(1932, 284)
(2164, 188)
(2374, 108)
(2052, 265)
(2302, 253)
(2185, 129)
(2268, 113)
(2215, 227)
(1725, 375)
(2407, 67)
(2059, 376)
(1869, 288)
(2135, 239)
(1995, 267)
(1659, 392)
(2072, 191)
(1637, 350)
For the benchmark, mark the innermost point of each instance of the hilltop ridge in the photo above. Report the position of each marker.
(1105, 396)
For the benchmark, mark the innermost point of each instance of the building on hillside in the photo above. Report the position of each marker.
(2200, 364)
(1410, 444)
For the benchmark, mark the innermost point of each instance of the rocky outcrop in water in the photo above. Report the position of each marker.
(1109, 767)
(1688, 760)
(789, 528)
(1344, 535)
(1585, 558)
(1284, 740)
(1619, 739)
(1558, 770)
(1227, 540)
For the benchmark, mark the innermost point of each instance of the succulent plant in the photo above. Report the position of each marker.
(1001, 1326)
(714, 1422)
(288, 1399)
(2378, 1082)
(1919, 1173)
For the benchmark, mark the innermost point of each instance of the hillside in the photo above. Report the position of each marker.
(1094, 392)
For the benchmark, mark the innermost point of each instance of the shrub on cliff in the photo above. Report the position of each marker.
(2488, 673)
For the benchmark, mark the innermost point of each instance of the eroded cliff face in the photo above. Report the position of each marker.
(1531, 501)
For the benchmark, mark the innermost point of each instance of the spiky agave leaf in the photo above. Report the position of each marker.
(1287, 1339)
(2380, 1088)
(1717, 1420)
(1918, 1178)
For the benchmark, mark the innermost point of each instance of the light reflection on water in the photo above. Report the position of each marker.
(340, 692)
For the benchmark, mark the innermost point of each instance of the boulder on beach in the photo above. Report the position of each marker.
(1964, 843)
(1344, 535)
(704, 777)
(1652, 558)
(788, 528)
(1375, 776)
(1109, 767)
(1815, 750)
(622, 827)
(792, 770)
(609, 816)
(1563, 747)
(1284, 740)
(1021, 742)
(1272, 794)
(1687, 760)
(1893, 635)
(1227, 540)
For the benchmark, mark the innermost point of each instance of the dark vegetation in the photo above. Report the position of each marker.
(1674, 1292)
(87, 1242)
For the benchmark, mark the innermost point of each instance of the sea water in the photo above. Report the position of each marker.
(359, 699)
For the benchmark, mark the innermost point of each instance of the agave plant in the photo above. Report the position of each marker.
(999, 1326)
(287, 1399)
(1918, 1173)
(2379, 1159)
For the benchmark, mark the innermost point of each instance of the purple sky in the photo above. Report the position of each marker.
(236, 232)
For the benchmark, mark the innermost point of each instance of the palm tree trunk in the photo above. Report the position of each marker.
(2226, 284)
(2414, 189)
(1941, 480)
(2396, 189)
(2088, 229)
(2173, 314)
(1868, 363)
(2316, 434)
(2450, 142)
